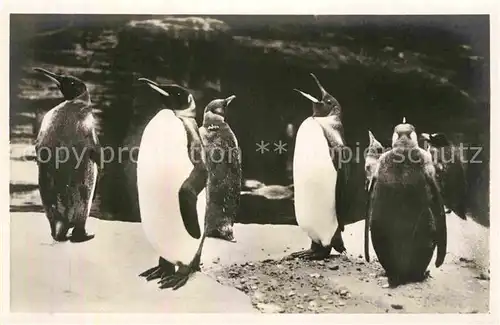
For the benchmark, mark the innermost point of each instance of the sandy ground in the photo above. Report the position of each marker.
(102, 275)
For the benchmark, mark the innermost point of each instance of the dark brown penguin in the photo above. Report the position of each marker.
(68, 154)
(407, 219)
(222, 159)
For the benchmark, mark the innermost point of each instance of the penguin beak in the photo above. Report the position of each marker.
(311, 98)
(372, 138)
(54, 77)
(155, 86)
(229, 99)
(323, 91)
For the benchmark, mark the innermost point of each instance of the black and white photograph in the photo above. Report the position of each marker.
(249, 163)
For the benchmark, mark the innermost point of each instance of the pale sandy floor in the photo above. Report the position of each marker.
(101, 275)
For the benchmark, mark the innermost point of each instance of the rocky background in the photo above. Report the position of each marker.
(434, 71)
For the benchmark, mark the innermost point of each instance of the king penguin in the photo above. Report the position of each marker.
(407, 219)
(68, 155)
(320, 172)
(222, 159)
(450, 172)
(171, 180)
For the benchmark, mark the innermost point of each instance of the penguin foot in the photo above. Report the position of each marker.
(79, 235)
(59, 231)
(178, 279)
(150, 271)
(316, 252)
(307, 255)
(396, 281)
(163, 269)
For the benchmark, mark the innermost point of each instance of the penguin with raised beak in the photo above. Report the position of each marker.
(320, 172)
(68, 154)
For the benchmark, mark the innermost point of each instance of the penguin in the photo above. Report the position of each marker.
(68, 156)
(407, 219)
(320, 172)
(171, 181)
(450, 172)
(222, 159)
(373, 153)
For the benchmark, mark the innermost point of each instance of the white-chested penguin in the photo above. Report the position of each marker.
(222, 160)
(450, 172)
(407, 219)
(68, 154)
(373, 153)
(171, 180)
(320, 173)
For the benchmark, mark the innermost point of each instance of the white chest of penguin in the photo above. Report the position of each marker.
(163, 165)
(315, 180)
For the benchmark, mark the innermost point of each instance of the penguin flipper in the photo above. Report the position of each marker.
(341, 164)
(188, 196)
(95, 149)
(367, 220)
(439, 216)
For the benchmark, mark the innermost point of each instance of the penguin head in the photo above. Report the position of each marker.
(326, 106)
(436, 139)
(217, 108)
(174, 97)
(404, 132)
(71, 87)
(375, 148)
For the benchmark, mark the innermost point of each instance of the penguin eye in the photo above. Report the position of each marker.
(328, 101)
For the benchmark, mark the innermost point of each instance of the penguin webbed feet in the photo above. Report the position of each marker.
(80, 235)
(59, 231)
(396, 281)
(179, 278)
(316, 252)
(164, 268)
